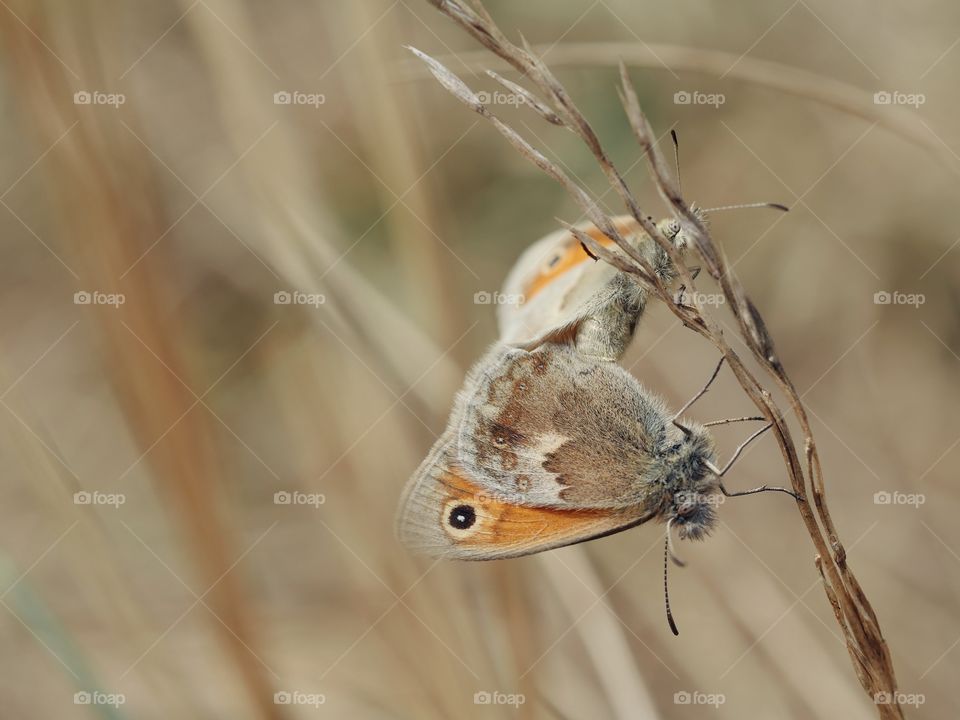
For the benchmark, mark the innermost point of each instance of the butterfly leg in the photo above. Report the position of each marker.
(762, 488)
(734, 420)
(733, 459)
(694, 271)
(742, 447)
(700, 394)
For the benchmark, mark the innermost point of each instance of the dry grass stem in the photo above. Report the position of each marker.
(844, 97)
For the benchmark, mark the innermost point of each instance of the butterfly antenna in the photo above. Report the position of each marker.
(666, 592)
(772, 206)
(673, 556)
(726, 421)
(676, 158)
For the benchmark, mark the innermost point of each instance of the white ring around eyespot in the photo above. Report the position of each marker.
(454, 532)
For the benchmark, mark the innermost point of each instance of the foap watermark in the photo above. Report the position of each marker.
(695, 498)
(687, 697)
(485, 697)
(695, 97)
(97, 97)
(883, 297)
(899, 698)
(95, 697)
(285, 297)
(95, 297)
(498, 298)
(895, 97)
(498, 97)
(485, 497)
(298, 97)
(701, 299)
(297, 697)
(885, 497)
(284, 497)
(95, 497)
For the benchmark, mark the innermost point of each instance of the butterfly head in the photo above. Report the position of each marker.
(692, 489)
(674, 231)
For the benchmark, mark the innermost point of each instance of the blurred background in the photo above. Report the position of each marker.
(242, 244)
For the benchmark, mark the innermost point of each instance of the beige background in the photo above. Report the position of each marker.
(198, 398)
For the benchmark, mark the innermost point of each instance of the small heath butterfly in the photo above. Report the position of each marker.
(550, 448)
(568, 296)
(550, 442)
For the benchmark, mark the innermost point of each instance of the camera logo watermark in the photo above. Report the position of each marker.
(685, 697)
(498, 298)
(296, 97)
(498, 97)
(895, 97)
(96, 97)
(86, 697)
(695, 498)
(284, 297)
(700, 299)
(695, 97)
(484, 697)
(485, 497)
(296, 697)
(899, 698)
(95, 497)
(283, 497)
(884, 497)
(883, 297)
(95, 297)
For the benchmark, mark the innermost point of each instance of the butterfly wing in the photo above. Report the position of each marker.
(551, 287)
(553, 429)
(556, 286)
(447, 513)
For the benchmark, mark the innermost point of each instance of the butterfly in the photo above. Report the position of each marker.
(565, 295)
(550, 442)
